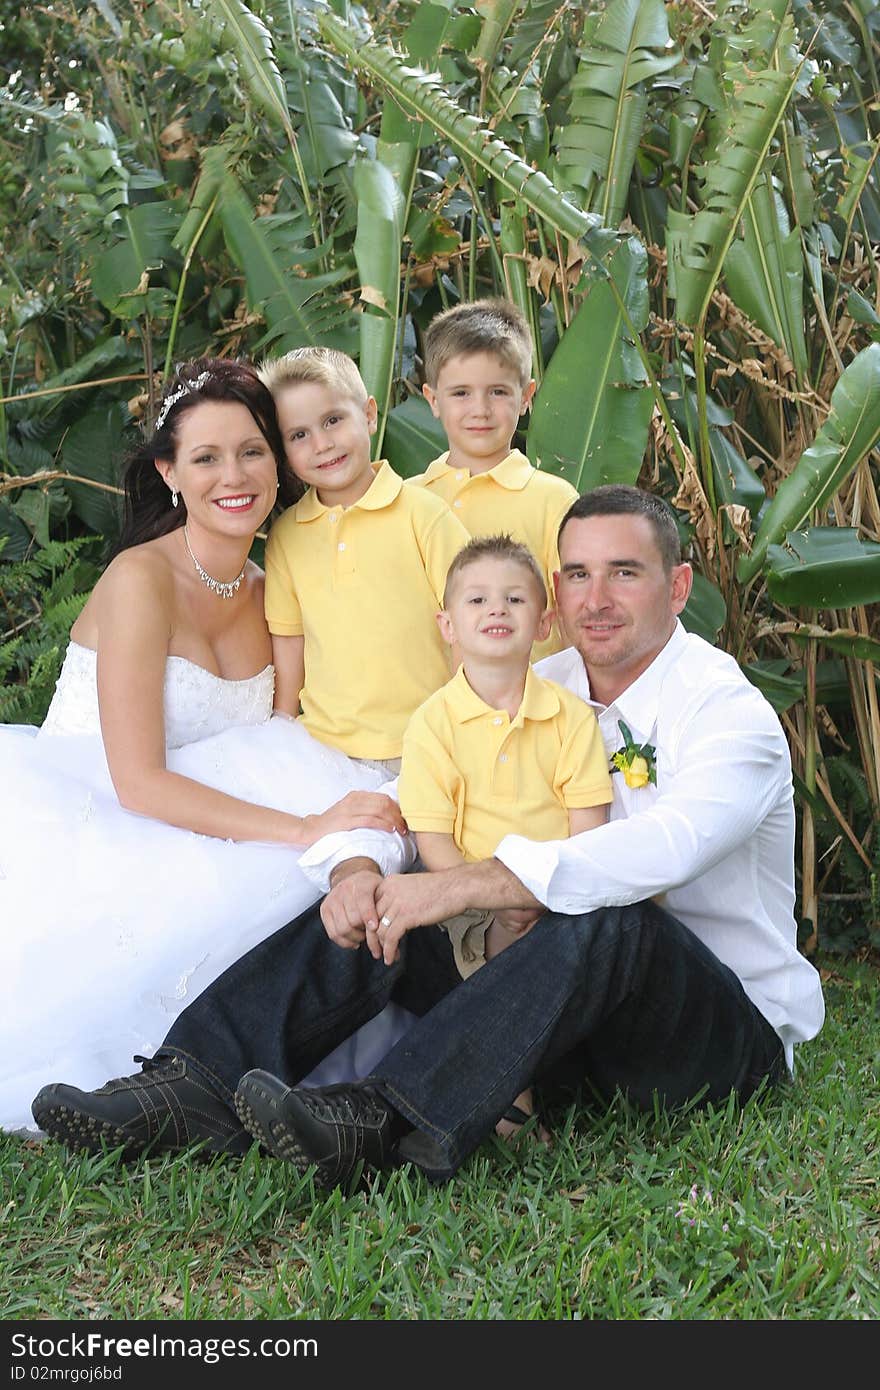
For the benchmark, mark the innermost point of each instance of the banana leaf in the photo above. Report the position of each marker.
(824, 567)
(497, 16)
(422, 94)
(120, 275)
(705, 611)
(846, 640)
(596, 148)
(381, 217)
(771, 678)
(92, 449)
(15, 537)
(765, 273)
(297, 307)
(590, 418)
(235, 28)
(851, 430)
(413, 438)
(698, 244)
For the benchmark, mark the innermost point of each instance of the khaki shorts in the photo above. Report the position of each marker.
(467, 932)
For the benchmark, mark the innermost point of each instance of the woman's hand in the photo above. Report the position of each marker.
(356, 811)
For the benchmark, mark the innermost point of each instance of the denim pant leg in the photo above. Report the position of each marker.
(289, 1001)
(638, 1000)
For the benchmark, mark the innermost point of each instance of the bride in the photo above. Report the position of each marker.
(150, 830)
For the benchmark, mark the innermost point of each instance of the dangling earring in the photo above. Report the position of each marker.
(173, 497)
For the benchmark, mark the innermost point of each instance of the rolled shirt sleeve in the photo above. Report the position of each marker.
(718, 789)
(391, 852)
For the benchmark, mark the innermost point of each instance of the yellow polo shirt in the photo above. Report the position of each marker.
(363, 584)
(472, 772)
(513, 497)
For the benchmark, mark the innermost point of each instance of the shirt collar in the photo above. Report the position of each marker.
(638, 705)
(512, 472)
(539, 701)
(382, 491)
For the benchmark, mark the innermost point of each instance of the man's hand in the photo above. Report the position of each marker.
(405, 901)
(350, 906)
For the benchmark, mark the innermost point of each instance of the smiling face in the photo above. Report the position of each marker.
(617, 601)
(478, 401)
(223, 468)
(494, 610)
(327, 439)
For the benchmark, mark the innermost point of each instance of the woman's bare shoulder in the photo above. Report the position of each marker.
(136, 579)
(147, 566)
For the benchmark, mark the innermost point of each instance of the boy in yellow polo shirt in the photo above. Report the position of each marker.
(478, 382)
(354, 571)
(498, 748)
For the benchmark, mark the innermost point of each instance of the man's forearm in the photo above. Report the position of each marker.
(421, 899)
(490, 884)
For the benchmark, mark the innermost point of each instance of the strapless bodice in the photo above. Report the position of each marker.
(197, 703)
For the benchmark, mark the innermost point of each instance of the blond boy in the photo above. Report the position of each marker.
(354, 571)
(498, 748)
(478, 382)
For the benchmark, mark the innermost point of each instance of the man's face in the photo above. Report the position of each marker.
(617, 602)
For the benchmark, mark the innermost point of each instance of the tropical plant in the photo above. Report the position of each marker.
(680, 196)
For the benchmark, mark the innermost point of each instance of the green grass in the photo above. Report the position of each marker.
(772, 1211)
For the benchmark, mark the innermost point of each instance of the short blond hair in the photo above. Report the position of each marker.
(326, 366)
(499, 547)
(495, 326)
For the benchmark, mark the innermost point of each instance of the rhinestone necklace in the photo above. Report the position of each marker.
(226, 588)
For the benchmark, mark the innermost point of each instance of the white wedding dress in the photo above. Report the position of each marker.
(111, 923)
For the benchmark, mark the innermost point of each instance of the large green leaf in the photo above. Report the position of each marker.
(705, 611)
(413, 438)
(846, 640)
(270, 253)
(422, 94)
(92, 449)
(236, 29)
(771, 678)
(106, 358)
(18, 539)
(824, 567)
(381, 219)
(698, 244)
(120, 274)
(765, 273)
(851, 430)
(596, 148)
(590, 418)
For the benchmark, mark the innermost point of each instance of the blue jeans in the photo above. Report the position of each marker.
(626, 998)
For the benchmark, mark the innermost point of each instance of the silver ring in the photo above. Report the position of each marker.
(384, 921)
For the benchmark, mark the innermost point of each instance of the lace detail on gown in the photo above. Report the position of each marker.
(110, 922)
(197, 703)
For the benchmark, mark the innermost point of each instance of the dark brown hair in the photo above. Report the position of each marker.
(146, 509)
(616, 499)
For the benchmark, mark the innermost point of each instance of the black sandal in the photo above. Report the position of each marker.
(515, 1115)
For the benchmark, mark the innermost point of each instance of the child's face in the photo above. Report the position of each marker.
(327, 439)
(494, 611)
(478, 401)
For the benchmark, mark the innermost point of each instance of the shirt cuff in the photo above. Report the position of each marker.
(392, 853)
(533, 862)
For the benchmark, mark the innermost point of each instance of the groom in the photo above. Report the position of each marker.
(666, 967)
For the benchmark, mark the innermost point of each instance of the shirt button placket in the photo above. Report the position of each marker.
(505, 768)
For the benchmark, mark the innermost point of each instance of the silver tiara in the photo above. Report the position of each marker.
(188, 386)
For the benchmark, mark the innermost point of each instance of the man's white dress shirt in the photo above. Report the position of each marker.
(715, 836)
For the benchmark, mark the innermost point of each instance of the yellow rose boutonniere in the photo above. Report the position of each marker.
(637, 761)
